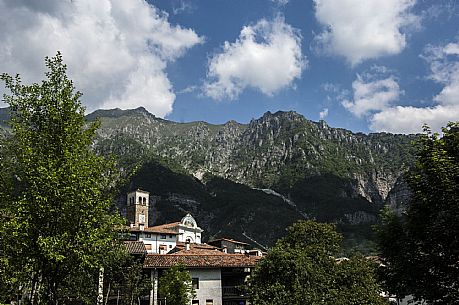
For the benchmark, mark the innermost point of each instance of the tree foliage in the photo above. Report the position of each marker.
(126, 279)
(176, 286)
(421, 247)
(301, 269)
(56, 228)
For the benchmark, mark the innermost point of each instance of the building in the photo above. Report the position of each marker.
(219, 269)
(158, 239)
(230, 245)
(218, 277)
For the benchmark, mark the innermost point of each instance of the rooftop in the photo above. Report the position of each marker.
(200, 259)
(161, 229)
(229, 240)
(135, 247)
(181, 246)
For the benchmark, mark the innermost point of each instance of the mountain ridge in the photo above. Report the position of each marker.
(255, 153)
(250, 181)
(327, 174)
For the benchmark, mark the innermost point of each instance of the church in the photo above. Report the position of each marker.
(219, 269)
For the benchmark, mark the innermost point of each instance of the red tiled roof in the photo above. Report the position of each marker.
(181, 245)
(200, 259)
(230, 240)
(167, 225)
(135, 247)
(156, 229)
(197, 251)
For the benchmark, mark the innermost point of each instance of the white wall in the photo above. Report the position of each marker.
(155, 241)
(210, 285)
(195, 237)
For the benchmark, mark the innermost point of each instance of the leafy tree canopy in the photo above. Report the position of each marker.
(56, 228)
(301, 269)
(126, 280)
(421, 247)
(176, 286)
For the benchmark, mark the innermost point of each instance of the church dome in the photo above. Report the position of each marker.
(189, 221)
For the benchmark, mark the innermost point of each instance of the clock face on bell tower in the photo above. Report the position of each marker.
(142, 218)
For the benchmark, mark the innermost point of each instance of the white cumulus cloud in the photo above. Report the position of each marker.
(408, 119)
(266, 56)
(116, 50)
(444, 65)
(372, 96)
(363, 29)
(323, 114)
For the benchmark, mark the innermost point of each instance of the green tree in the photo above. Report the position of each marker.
(126, 278)
(56, 227)
(176, 286)
(301, 269)
(421, 247)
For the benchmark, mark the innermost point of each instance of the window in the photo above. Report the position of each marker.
(195, 302)
(209, 302)
(163, 236)
(195, 282)
(171, 236)
(147, 235)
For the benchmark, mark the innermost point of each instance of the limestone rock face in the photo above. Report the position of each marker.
(274, 151)
(399, 196)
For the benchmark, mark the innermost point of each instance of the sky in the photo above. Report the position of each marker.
(363, 65)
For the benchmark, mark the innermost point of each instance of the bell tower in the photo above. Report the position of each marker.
(137, 208)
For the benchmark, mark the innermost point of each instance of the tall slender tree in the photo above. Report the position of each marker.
(57, 228)
(421, 247)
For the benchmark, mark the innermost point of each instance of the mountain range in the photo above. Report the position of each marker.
(251, 181)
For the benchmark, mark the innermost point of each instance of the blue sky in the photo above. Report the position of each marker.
(363, 65)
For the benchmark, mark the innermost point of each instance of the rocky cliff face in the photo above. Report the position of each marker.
(274, 151)
(399, 196)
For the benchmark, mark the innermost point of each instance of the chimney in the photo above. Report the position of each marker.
(187, 246)
(141, 226)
